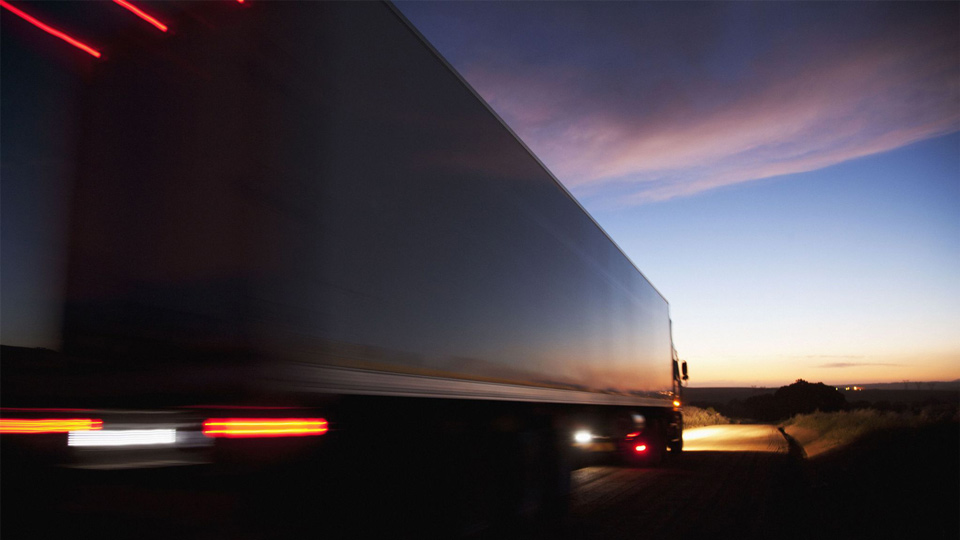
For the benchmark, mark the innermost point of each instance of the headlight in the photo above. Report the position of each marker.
(582, 437)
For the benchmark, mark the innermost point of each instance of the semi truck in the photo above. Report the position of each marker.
(243, 234)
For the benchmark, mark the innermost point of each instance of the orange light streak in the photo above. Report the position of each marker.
(140, 13)
(49, 425)
(264, 427)
(51, 30)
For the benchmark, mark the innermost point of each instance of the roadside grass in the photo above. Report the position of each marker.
(694, 417)
(835, 429)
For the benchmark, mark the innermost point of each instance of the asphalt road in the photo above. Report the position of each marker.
(734, 481)
(730, 479)
(735, 438)
(743, 481)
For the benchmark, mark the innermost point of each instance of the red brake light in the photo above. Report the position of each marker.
(264, 427)
(640, 448)
(48, 425)
(51, 30)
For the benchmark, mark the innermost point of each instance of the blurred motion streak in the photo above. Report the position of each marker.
(122, 437)
(48, 425)
(51, 30)
(262, 427)
(140, 13)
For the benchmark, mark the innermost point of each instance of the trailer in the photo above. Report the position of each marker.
(292, 232)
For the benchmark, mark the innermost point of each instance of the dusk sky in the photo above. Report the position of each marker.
(786, 174)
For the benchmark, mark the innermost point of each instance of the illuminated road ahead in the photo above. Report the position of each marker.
(731, 481)
(734, 438)
(740, 481)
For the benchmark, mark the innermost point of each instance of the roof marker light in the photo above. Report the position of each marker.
(51, 30)
(264, 427)
(48, 425)
(140, 13)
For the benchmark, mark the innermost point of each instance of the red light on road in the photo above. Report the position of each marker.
(50, 30)
(264, 427)
(640, 448)
(48, 425)
(632, 435)
(140, 13)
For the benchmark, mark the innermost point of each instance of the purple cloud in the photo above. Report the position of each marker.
(629, 111)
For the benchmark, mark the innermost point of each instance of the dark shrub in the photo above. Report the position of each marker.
(802, 397)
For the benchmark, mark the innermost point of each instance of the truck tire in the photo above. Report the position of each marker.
(676, 447)
(657, 445)
(655, 438)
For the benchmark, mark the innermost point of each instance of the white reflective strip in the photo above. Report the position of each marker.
(122, 437)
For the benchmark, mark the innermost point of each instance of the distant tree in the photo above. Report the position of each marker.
(763, 407)
(802, 397)
(735, 409)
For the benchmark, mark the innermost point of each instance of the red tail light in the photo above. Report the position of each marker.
(264, 427)
(142, 14)
(51, 30)
(640, 448)
(48, 425)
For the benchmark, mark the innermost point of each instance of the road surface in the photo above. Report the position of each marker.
(736, 481)
(735, 438)
(732, 481)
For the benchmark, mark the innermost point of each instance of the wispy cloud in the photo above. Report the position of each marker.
(856, 365)
(633, 133)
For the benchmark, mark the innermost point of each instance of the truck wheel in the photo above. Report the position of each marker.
(547, 487)
(658, 446)
(676, 447)
(654, 438)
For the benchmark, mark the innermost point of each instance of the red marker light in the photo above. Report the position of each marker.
(48, 425)
(264, 427)
(140, 13)
(640, 448)
(51, 30)
(632, 435)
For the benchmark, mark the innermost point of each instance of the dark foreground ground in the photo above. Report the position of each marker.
(898, 484)
(901, 484)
